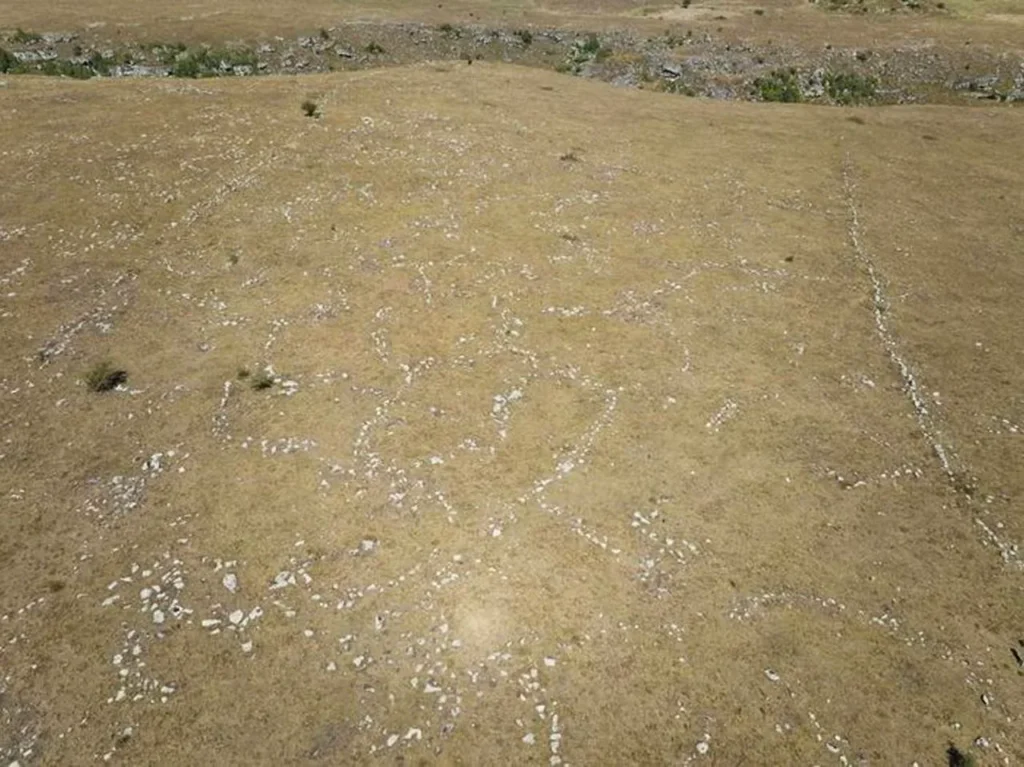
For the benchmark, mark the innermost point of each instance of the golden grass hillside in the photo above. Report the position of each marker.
(498, 417)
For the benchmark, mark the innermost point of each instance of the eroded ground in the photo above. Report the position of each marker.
(605, 427)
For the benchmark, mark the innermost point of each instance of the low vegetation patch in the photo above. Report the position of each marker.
(848, 88)
(104, 376)
(25, 38)
(591, 45)
(310, 108)
(881, 6)
(449, 30)
(261, 380)
(63, 68)
(779, 85)
(167, 53)
(210, 62)
(7, 62)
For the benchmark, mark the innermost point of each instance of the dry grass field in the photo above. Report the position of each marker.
(492, 416)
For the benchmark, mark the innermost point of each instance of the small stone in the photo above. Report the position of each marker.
(236, 617)
(392, 740)
(332, 666)
(231, 582)
(209, 623)
(550, 662)
(414, 732)
(158, 616)
(529, 739)
(247, 647)
(772, 676)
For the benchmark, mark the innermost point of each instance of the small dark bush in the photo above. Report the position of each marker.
(375, 48)
(103, 376)
(7, 61)
(591, 45)
(261, 380)
(957, 758)
(310, 108)
(525, 35)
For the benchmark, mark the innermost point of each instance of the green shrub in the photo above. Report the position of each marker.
(62, 68)
(204, 62)
(235, 57)
(591, 45)
(310, 108)
(779, 85)
(525, 35)
(168, 53)
(187, 66)
(7, 62)
(849, 88)
(99, 64)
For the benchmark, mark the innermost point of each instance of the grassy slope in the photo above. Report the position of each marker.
(718, 362)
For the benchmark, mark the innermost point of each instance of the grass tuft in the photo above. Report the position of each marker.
(104, 376)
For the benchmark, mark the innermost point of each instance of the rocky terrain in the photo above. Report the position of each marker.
(699, 62)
